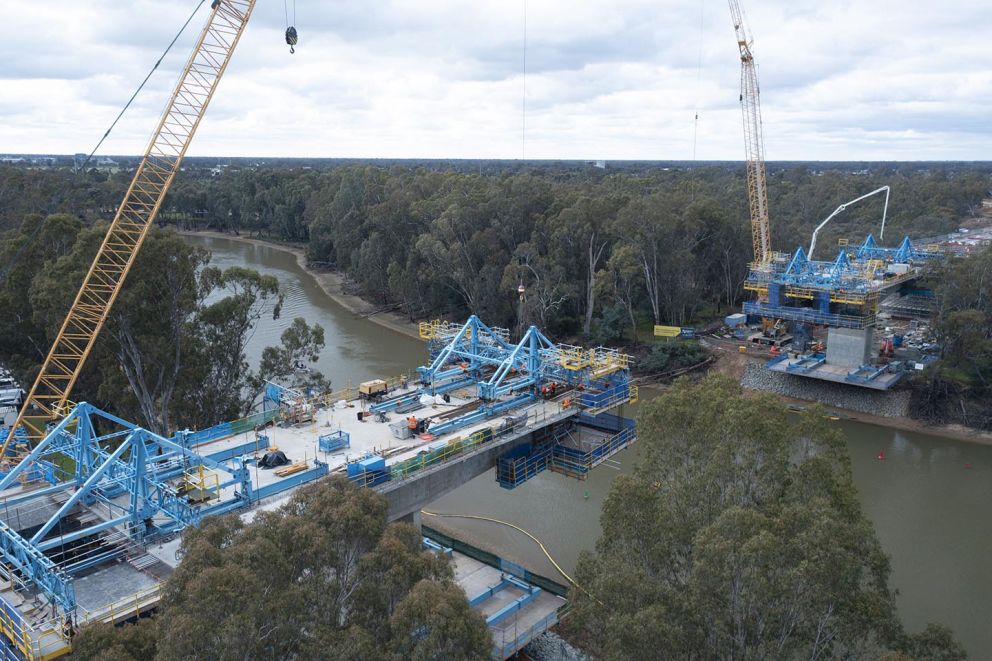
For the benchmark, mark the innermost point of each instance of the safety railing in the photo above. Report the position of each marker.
(204, 483)
(126, 608)
(512, 471)
(503, 649)
(349, 393)
(408, 468)
(233, 427)
(39, 642)
(576, 463)
(809, 315)
(609, 398)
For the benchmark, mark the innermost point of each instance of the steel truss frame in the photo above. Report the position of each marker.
(127, 472)
(48, 399)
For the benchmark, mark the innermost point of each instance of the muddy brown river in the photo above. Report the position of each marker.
(929, 499)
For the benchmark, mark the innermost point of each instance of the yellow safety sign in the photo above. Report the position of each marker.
(667, 331)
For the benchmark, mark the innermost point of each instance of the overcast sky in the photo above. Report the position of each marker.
(606, 79)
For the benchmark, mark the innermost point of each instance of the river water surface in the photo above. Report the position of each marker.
(929, 498)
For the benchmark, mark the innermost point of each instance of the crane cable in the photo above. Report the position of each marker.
(543, 548)
(292, 38)
(523, 103)
(30, 239)
(699, 67)
(142, 85)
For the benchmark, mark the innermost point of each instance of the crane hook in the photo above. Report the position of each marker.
(291, 38)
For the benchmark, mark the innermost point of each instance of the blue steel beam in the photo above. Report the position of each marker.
(84, 490)
(39, 450)
(31, 495)
(513, 606)
(50, 544)
(39, 568)
(474, 342)
(488, 593)
(526, 357)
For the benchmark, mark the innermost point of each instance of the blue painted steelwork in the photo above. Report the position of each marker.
(521, 464)
(35, 565)
(577, 463)
(431, 545)
(126, 470)
(489, 593)
(515, 605)
(805, 315)
(906, 252)
(866, 373)
(474, 346)
(807, 363)
(777, 359)
(337, 440)
(524, 359)
(395, 403)
(519, 372)
(319, 470)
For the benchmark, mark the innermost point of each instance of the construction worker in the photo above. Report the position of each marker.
(411, 423)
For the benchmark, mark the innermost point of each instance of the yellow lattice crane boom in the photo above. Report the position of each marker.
(757, 187)
(49, 396)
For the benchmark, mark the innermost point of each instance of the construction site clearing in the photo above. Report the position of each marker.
(91, 515)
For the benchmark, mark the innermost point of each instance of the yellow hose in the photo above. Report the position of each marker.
(544, 549)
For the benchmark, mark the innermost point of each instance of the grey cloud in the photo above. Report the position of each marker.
(617, 79)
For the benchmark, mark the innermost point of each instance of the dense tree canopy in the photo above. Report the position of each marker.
(739, 536)
(959, 387)
(323, 577)
(665, 245)
(173, 351)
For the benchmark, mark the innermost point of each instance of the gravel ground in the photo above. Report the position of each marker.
(549, 646)
(890, 404)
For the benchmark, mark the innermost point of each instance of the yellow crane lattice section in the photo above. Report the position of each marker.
(757, 186)
(134, 217)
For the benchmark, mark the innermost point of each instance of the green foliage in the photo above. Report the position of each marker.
(324, 576)
(172, 352)
(740, 536)
(935, 643)
(671, 355)
(610, 326)
(958, 389)
(667, 244)
(300, 344)
(105, 642)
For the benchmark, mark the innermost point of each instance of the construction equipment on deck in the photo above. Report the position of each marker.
(48, 399)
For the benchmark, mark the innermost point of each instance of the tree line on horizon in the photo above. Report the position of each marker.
(599, 252)
(601, 255)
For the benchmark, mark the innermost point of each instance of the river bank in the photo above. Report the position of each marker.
(926, 499)
(330, 282)
(734, 364)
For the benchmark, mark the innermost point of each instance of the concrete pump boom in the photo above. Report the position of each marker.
(757, 187)
(48, 399)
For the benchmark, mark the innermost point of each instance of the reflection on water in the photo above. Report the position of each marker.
(356, 349)
(928, 498)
